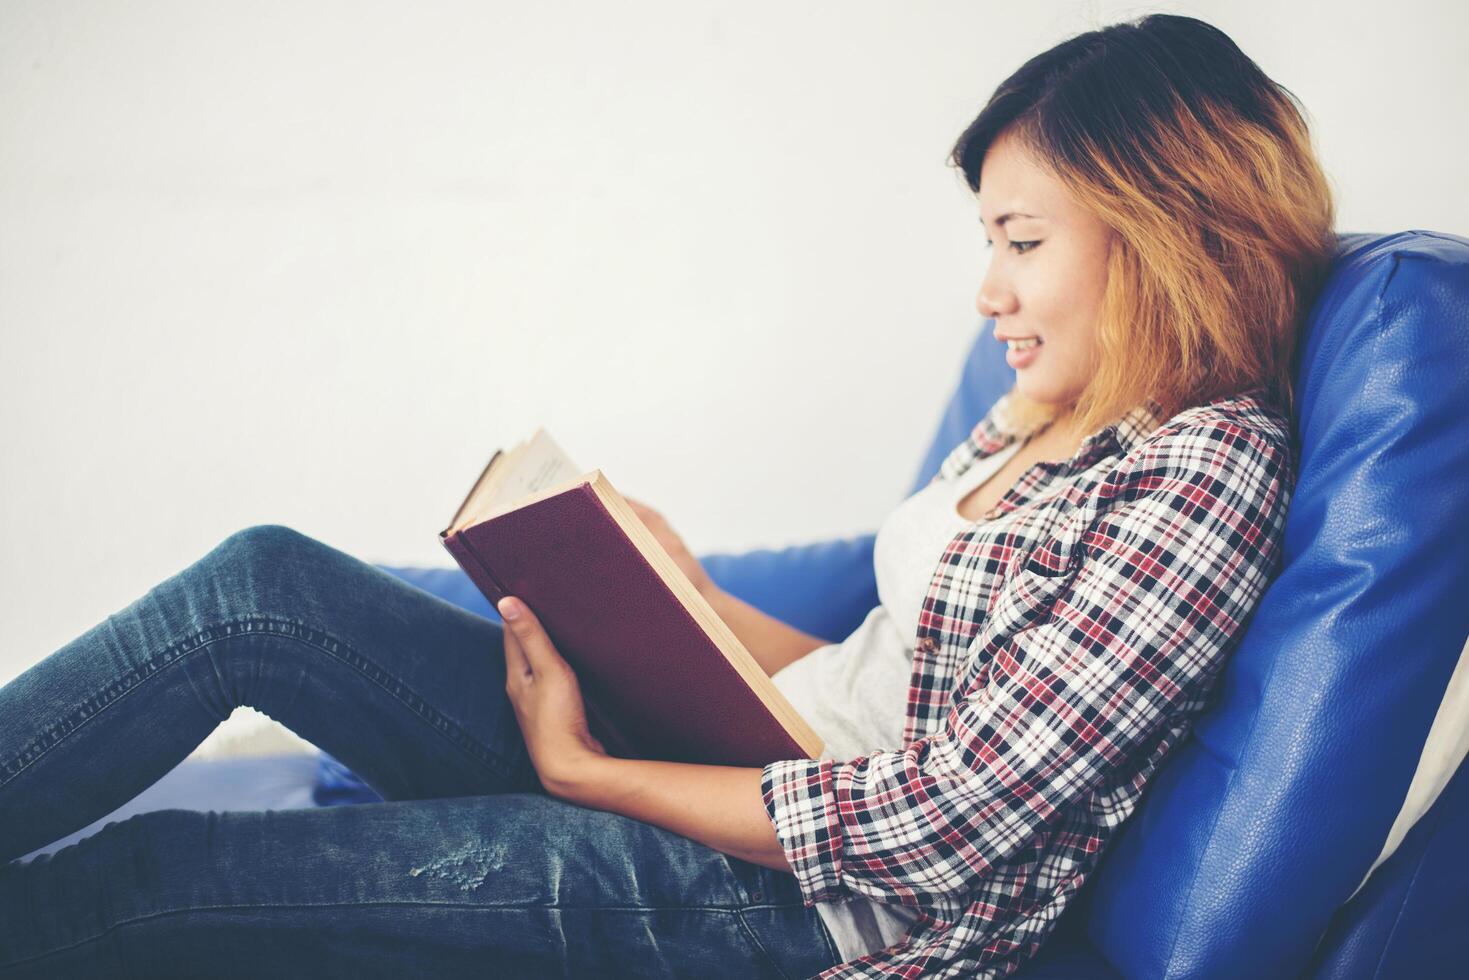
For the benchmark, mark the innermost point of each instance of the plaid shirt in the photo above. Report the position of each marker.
(1067, 641)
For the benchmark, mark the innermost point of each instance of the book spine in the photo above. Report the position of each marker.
(474, 566)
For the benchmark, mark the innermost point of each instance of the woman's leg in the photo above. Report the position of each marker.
(409, 691)
(507, 885)
(406, 689)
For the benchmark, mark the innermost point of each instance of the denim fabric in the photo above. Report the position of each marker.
(468, 869)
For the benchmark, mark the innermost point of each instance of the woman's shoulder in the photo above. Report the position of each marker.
(1221, 467)
(1243, 423)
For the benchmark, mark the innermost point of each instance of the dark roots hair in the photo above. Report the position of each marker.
(1204, 169)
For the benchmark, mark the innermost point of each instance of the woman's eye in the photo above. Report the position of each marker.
(1020, 247)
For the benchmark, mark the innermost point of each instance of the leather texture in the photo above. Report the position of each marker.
(1260, 827)
(1409, 919)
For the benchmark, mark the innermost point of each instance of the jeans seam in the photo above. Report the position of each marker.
(175, 652)
(302, 906)
(109, 695)
(745, 902)
(774, 963)
(449, 730)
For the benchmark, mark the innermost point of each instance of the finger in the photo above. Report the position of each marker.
(533, 641)
(516, 664)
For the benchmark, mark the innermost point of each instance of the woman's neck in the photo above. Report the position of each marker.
(1057, 441)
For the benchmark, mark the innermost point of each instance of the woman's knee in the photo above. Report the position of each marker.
(266, 555)
(265, 541)
(271, 572)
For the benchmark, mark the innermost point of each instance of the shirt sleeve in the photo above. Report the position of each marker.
(1167, 575)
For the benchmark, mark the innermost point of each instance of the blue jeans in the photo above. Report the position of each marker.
(467, 869)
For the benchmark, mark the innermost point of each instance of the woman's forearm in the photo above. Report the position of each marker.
(720, 806)
(771, 642)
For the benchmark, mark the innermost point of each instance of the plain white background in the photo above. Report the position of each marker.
(311, 263)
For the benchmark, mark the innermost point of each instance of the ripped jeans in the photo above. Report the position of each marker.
(468, 869)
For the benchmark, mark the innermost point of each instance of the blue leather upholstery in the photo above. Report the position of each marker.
(1263, 824)
(1409, 919)
(1259, 828)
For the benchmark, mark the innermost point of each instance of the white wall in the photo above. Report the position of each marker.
(311, 263)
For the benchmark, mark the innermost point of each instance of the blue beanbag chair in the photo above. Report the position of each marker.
(1313, 823)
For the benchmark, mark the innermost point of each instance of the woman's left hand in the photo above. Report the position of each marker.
(547, 699)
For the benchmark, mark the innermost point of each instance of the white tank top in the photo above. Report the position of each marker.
(855, 693)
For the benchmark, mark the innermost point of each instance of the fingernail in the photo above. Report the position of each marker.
(510, 609)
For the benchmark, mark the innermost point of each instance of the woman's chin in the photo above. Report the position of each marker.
(1038, 391)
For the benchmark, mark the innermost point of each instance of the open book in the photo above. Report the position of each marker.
(662, 676)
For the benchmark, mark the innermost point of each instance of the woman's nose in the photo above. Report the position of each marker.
(993, 301)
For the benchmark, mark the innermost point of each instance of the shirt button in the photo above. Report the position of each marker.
(927, 644)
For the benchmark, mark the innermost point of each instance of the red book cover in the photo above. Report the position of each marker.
(662, 676)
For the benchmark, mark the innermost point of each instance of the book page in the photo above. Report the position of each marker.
(539, 463)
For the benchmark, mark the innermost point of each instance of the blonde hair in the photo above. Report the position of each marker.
(1204, 169)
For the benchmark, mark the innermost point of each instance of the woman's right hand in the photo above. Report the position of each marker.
(674, 545)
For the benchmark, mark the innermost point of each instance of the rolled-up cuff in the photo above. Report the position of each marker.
(800, 801)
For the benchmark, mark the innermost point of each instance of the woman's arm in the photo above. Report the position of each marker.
(720, 806)
(1082, 687)
(771, 642)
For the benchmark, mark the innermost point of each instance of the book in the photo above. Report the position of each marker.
(661, 675)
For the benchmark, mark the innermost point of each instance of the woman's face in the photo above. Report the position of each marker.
(1047, 275)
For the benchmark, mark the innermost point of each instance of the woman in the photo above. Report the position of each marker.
(1056, 605)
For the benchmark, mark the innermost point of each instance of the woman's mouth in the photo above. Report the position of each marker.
(1023, 351)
